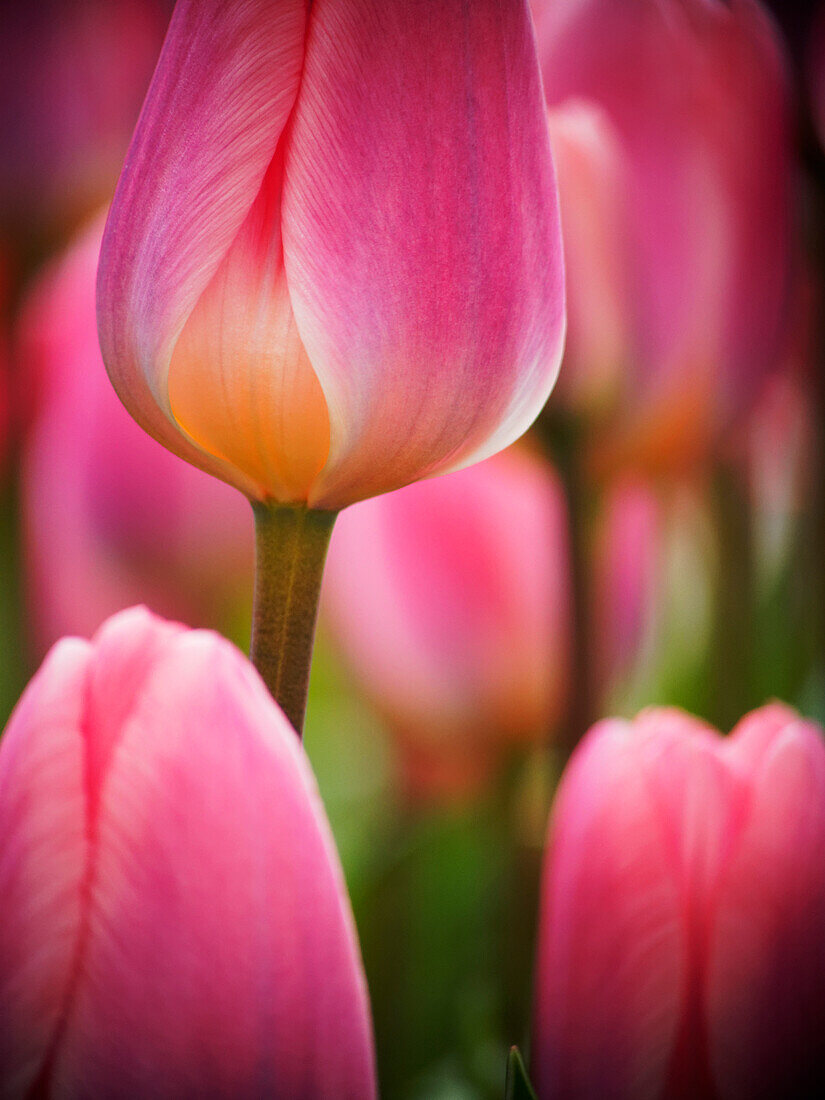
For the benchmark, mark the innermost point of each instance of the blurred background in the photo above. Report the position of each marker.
(657, 538)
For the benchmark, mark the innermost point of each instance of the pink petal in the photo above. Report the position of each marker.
(766, 979)
(590, 167)
(43, 860)
(222, 92)
(611, 970)
(421, 236)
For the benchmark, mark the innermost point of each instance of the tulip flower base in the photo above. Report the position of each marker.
(291, 544)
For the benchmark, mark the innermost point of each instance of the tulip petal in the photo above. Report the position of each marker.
(220, 99)
(43, 862)
(766, 970)
(421, 236)
(220, 956)
(611, 969)
(240, 382)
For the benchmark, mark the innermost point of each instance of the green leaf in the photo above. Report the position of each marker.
(517, 1085)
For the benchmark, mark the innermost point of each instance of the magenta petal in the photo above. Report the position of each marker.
(611, 968)
(221, 96)
(766, 967)
(43, 860)
(421, 236)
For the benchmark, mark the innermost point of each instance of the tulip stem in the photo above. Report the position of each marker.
(290, 549)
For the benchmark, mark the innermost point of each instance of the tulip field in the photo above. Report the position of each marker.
(412, 550)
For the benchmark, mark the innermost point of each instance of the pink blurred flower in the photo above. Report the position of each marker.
(333, 263)
(653, 565)
(449, 602)
(110, 516)
(175, 922)
(669, 121)
(72, 75)
(681, 950)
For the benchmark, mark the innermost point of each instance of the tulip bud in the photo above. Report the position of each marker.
(175, 922)
(680, 945)
(449, 603)
(669, 121)
(333, 263)
(110, 517)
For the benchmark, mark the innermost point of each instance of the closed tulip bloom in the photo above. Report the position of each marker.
(175, 922)
(680, 947)
(448, 600)
(333, 261)
(669, 122)
(110, 516)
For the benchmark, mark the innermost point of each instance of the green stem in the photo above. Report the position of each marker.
(733, 631)
(290, 548)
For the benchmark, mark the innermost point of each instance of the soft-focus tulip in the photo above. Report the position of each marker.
(72, 75)
(175, 922)
(110, 516)
(681, 952)
(670, 132)
(449, 603)
(333, 263)
(653, 583)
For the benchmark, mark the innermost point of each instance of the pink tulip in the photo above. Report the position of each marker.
(653, 585)
(449, 603)
(669, 121)
(333, 263)
(110, 516)
(71, 79)
(175, 922)
(681, 952)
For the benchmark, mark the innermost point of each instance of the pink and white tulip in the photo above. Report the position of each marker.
(670, 129)
(680, 948)
(110, 516)
(175, 922)
(333, 263)
(449, 602)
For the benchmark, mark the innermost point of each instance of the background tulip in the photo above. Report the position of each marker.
(680, 948)
(110, 517)
(72, 75)
(653, 571)
(448, 600)
(175, 922)
(358, 281)
(679, 250)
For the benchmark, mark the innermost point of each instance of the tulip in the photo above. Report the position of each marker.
(175, 922)
(71, 79)
(680, 947)
(669, 123)
(110, 517)
(448, 600)
(333, 263)
(331, 266)
(653, 576)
